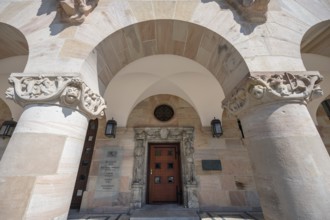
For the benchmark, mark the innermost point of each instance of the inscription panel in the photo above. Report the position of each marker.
(109, 170)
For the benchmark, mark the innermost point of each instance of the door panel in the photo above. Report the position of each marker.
(164, 174)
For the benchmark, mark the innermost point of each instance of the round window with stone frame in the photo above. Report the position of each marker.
(164, 112)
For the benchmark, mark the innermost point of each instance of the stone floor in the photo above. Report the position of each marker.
(169, 213)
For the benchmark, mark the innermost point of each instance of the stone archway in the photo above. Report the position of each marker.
(182, 135)
(174, 37)
(14, 51)
(154, 38)
(316, 56)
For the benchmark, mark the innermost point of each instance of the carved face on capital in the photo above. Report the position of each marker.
(282, 90)
(257, 91)
(71, 95)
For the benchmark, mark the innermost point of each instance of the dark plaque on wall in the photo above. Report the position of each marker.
(211, 165)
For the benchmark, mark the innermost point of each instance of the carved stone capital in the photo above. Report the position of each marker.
(66, 90)
(253, 11)
(261, 88)
(75, 11)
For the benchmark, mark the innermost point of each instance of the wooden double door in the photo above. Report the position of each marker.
(164, 174)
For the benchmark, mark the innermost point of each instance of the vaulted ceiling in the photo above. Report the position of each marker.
(12, 42)
(317, 40)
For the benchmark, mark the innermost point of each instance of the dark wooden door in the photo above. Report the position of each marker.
(85, 163)
(164, 180)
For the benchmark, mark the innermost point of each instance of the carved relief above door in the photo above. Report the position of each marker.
(166, 137)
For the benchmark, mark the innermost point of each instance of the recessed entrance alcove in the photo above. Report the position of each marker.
(184, 137)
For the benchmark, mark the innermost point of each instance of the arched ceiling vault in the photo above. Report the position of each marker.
(164, 74)
(220, 67)
(14, 52)
(12, 42)
(315, 49)
(170, 37)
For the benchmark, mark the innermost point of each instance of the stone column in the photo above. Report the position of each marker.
(39, 168)
(289, 160)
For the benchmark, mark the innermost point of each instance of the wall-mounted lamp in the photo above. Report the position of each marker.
(110, 128)
(216, 127)
(7, 128)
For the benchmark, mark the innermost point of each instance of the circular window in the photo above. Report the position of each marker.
(164, 112)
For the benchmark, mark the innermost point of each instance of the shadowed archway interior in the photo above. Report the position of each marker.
(214, 54)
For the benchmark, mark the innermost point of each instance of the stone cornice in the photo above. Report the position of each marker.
(75, 11)
(262, 87)
(66, 90)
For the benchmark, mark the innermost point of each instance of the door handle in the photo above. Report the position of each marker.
(150, 171)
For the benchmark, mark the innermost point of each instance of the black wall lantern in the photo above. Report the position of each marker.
(216, 127)
(7, 128)
(110, 128)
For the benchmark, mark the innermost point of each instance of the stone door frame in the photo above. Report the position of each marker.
(182, 135)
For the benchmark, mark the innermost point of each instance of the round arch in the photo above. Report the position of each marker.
(5, 113)
(14, 52)
(315, 49)
(175, 37)
(167, 37)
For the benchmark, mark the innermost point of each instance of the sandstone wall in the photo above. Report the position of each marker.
(233, 187)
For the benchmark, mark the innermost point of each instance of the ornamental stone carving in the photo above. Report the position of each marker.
(253, 11)
(138, 162)
(75, 11)
(189, 153)
(68, 91)
(261, 88)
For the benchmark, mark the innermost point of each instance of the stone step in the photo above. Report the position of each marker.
(165, 215)
(156, 212)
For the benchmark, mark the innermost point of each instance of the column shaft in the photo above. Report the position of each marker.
(290, 163)
(39, 167)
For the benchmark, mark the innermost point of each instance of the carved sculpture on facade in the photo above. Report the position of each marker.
(253, 11)
(189, 165)
(263, 88)
(138, 162)
(71, 95)
(75, 11)
(68, 91)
